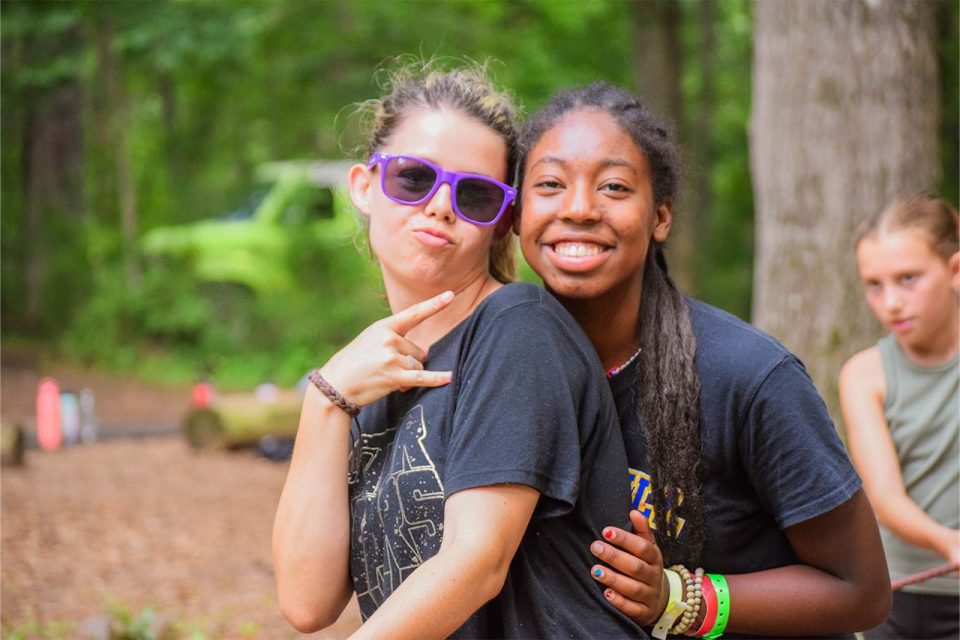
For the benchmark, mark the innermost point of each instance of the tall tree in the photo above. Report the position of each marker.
(659, 65)
(845, 116)
(43, 171)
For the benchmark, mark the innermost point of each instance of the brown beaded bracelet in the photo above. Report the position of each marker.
(350, 408)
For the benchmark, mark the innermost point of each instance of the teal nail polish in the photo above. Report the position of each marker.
(598, 573)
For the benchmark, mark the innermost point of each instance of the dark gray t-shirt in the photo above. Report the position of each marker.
(771, 455)
(528, 405)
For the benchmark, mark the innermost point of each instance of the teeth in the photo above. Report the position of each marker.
(577, 249)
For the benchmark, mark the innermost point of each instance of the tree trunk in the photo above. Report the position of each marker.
(659, 63)
(52, 152)
(845, 116)
(123, 163)
(701, 144)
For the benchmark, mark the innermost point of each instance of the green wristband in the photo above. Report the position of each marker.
(723, 606)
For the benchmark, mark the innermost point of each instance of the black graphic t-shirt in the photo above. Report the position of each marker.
(528, 404)
(771, 455)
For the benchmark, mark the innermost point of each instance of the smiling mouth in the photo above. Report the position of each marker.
(578, 249)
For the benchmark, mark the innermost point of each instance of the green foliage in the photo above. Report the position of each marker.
(949, 50)
(196, 94)
(126, 625)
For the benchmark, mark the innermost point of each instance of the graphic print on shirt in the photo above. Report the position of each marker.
(640, 490)
(400, 506)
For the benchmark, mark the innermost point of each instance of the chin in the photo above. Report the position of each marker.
(567, 290)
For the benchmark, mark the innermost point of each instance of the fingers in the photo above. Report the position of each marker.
(640, 607)
(420, 378)
(639, 550)
(641, 526)
(409, 352)
(634, 566)
(633, 576)
(413, 315)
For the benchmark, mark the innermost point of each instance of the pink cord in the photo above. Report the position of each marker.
(896, 585)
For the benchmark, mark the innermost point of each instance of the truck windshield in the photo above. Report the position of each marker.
(247, 208)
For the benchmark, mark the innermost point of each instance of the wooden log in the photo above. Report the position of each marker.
(239, 420)
(12, 444)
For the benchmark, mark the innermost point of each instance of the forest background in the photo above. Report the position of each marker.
(119, 117)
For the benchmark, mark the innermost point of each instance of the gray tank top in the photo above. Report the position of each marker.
(922, 408)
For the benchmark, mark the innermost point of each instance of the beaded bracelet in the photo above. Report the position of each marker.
(723, 606)
(350, 408)
(694, 596)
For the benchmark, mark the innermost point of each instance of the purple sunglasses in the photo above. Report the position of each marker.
(409, 180)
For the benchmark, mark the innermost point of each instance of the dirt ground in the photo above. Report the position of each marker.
(137, 522)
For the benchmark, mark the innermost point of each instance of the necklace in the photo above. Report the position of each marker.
(616, 370)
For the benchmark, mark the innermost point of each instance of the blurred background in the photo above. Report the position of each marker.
(172, 212)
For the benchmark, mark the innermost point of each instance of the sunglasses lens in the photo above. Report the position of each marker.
(407, 180)
(478, 199)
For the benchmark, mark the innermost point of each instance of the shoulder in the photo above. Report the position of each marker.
(863, 373)
(728, 344)
(525, 296)
(513, 295)
(525, 316)
(527, 305)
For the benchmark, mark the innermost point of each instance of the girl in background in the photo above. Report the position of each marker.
(733, 458)
(899, 400)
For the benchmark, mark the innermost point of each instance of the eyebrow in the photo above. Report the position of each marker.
(610, 162)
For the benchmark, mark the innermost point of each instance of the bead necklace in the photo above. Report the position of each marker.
(616, 370)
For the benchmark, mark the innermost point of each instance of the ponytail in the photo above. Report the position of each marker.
(669, 410)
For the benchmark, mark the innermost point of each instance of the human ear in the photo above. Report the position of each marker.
(661, 226)
(360, 182)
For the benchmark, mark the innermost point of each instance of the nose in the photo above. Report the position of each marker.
(581, 206)
(892, 299)
(441, 204)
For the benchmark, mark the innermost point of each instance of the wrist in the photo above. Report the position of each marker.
(320, 407)
(332, 394)
(945, 543)
(664, 595)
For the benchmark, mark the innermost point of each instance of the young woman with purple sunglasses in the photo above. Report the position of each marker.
(735, 464)
(484, 451)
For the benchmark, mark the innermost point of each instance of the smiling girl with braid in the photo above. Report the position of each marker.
(735, 463)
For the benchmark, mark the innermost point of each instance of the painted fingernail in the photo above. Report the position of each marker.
(608, 594)
(598, 573)
(608, 534)
(597, 547)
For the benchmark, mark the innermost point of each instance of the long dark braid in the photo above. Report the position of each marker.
(668, 391)
(669, 407)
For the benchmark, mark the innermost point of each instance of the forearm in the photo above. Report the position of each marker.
(311, 535)
(797, 600)
(436, 599)
(904, 518)
(840, 583)
(482, 530)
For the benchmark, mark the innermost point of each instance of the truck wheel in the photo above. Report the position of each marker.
(204, 429)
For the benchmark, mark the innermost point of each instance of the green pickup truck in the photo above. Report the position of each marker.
(251, 247)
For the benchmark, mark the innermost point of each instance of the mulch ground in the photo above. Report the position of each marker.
(137, 523)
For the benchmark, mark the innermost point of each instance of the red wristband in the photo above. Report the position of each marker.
(710, 602)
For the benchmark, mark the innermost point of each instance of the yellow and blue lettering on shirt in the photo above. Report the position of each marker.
(640, 490)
